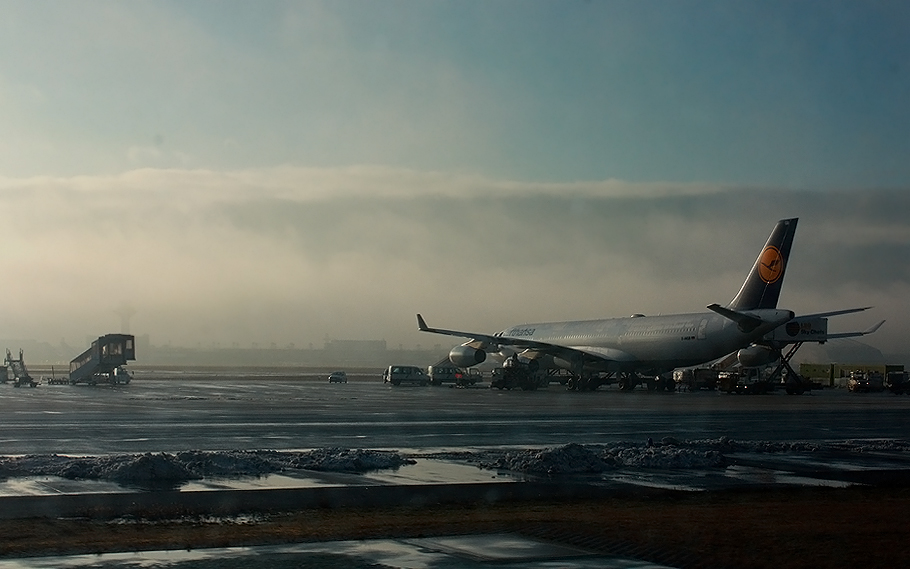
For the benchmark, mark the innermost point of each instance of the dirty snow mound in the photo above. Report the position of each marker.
(194, 465)
(348, 460)
(148, 468)
(665, 457)
(233, 463)
(570, 459)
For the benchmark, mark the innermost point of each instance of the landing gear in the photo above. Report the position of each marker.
(515, 373)
(628, 381)
(660, 383)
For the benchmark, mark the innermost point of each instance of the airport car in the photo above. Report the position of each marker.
(338, 377)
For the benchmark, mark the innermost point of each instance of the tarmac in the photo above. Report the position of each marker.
(435, 477)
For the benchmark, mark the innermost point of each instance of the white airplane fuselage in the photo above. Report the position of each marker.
(651, 344)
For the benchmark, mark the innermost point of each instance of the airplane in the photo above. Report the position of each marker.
(654, 345)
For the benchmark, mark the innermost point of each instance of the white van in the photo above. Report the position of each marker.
(451, 374)
(396, 375)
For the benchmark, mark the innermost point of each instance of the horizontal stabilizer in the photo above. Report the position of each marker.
(855, 334)
(834, 313)
(746, 322)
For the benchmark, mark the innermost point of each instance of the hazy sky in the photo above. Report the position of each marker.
(286, 171)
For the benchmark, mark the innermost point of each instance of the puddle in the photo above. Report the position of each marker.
(50, 485)
(424, 471)
(662, 481)
(754, 475)
(857, 463)
(467, 551)
(266, 482)
(428, 471)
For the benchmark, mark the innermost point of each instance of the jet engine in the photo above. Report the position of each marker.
(467, 356)
(755, 356)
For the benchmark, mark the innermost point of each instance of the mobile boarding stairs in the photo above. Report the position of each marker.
(19, 371)
(104, 362)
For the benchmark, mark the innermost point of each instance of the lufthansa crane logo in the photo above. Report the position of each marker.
(770, 264)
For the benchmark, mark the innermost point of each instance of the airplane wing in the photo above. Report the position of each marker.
(580, 354)
(485, 338)
(838, 313)
(814, 328)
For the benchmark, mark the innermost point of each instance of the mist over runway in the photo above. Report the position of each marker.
(244, 410)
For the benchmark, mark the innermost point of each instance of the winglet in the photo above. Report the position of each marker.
(421, 324)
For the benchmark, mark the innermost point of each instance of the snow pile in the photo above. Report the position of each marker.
(667, 454)
(666, 457)
(119, 468)
(348, 460)
(148, 468)
(195, 465)
(570, 459)
(593, 459)
(725, 444)
(887, 445)
(234, 463)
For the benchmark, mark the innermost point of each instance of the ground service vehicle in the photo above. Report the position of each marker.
(865, 382)
(396, 375)
(19, 371)
(451, 374)
(743, 382)
(898, 382)
(104, 361)
(515, 373)
(338, 377)
(694, 379)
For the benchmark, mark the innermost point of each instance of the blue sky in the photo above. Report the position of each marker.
(793, 94)
(213, 148)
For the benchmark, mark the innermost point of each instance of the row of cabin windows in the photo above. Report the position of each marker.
(636, 334)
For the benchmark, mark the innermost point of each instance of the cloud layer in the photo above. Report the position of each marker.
(292, 255)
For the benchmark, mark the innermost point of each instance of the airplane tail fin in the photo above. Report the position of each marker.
(762, 287)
